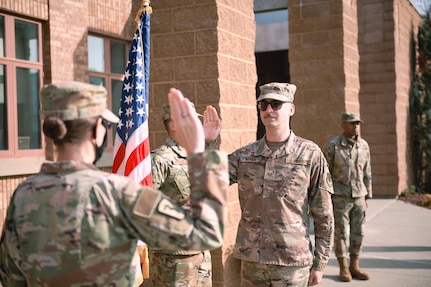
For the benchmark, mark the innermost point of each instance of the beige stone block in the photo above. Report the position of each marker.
(208, 93)
(169, 4)
(325, 23)
(316, 9)
(195, 17)
(161, 21)
(301, 54)
(206, 41)
(173, 45)
(302, 25)
(237, 70)
(316, 39)
(228, 43)
(162, 70)
(195, 68)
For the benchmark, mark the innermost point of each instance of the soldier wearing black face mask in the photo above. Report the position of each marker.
(100, 149)
(75, 225)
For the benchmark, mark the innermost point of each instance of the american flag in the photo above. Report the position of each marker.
(132, 147)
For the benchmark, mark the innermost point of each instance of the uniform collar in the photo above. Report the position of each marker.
(65, 166)
(348, 142)
(264, 150)
(176, 148)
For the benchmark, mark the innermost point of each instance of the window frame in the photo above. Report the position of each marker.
(11, 63)
(108, 76)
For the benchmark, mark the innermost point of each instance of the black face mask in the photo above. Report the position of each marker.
(100, 149)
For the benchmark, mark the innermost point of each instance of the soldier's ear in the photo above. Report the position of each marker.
(172, 127)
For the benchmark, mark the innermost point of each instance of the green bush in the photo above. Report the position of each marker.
(420, 109)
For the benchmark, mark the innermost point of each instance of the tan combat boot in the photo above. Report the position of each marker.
(354, 268)
(345, 275)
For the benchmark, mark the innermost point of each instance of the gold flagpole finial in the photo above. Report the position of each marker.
(145, 8)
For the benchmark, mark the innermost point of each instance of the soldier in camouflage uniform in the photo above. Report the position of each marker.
(282, 181)
(170, 175)
(75, 225)
(348, 156)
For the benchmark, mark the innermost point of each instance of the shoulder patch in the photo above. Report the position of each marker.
(146, 203)
(168, 208)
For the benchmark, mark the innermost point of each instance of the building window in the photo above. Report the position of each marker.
(107, 59)
(20, 82)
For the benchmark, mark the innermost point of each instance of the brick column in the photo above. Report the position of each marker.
(323, 58)
(206, 49)
(387, 43)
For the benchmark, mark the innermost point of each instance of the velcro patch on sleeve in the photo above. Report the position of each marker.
(146, 203)
(168, 208)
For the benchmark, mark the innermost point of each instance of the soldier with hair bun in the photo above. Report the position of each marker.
(75, 225)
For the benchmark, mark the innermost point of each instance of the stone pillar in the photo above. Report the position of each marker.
(206, 49)
(323, 58)
(387, 34)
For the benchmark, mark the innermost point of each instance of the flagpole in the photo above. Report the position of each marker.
(144, 9)
(131, 147)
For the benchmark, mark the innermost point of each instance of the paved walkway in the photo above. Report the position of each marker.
(397, 247)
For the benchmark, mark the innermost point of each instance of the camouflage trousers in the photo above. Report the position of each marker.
(349, 219)
(167, 270)
(262, 275)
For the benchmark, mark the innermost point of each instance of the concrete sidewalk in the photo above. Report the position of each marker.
(397, 247)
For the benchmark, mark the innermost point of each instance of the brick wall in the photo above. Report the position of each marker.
(206, 49)
(326, 81)
(406, 26)
(387, 30)
(33, 8)
(342, 57)
(68, 28)
(7, 186)
(356, 56)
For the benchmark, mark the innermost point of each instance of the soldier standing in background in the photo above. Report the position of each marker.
(283, 180)
(75, 225)
(348, 156)
(170, 175)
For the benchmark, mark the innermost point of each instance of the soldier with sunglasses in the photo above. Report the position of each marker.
(283, 181)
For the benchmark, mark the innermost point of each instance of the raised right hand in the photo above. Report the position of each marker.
(190, 133)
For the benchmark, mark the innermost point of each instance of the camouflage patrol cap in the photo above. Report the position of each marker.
(71, 100)
(350, 117)
(167, 112)
(277, 91)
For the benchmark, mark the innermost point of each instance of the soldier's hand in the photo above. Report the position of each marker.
(190, 133)
(315, 277)
(212, 123)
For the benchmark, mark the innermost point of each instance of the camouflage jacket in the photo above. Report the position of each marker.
(350, 167)
(277, 192)
(170, 175)
(74, 225)
(170, 172)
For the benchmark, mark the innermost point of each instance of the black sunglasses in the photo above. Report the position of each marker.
(275, 105)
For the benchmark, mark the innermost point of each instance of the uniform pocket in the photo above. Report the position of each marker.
(294, 180)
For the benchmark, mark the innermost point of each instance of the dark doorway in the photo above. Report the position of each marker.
(271, 66)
